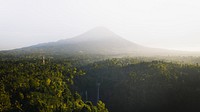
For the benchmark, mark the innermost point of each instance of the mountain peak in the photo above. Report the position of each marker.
(98, 40)
(97, 34)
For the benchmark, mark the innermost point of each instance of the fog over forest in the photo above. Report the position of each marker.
(99, 56)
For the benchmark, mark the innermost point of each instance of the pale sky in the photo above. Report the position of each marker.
(170, 24)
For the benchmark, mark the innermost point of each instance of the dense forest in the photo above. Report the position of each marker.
(134, 85)
(32, 83)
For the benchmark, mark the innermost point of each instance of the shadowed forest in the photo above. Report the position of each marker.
(86, 83)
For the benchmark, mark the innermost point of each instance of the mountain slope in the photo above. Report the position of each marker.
(102, 41)
(96, 41)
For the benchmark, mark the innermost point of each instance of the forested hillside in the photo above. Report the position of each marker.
(83, 83)
(31, 85)
(135, 85)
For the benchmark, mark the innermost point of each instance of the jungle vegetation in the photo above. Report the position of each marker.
(30, 83)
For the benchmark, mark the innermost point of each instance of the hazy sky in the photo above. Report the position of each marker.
(171, 24)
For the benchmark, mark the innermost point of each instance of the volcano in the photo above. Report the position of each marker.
(99, 40)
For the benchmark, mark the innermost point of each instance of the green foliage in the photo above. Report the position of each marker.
(133, 85)
(5, 104)
(101, 107)
(30, 86)
(138, 84)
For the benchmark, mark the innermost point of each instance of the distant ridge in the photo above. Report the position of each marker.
(99, 40)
